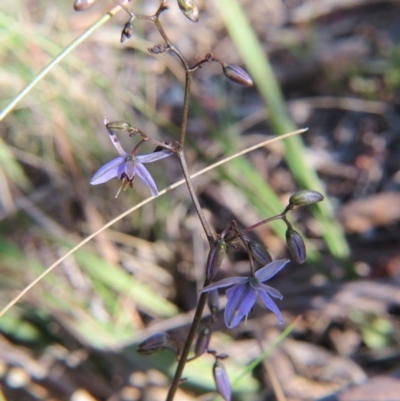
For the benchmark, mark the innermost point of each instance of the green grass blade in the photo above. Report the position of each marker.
(75, 43)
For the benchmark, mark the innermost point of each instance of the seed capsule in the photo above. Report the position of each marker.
(296, 245)
(237, 74)
(306, 197)
(189, 9)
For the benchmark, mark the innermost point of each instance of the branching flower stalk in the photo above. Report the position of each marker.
(244, 291)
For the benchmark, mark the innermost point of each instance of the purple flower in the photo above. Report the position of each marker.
(127, 166)
(243, 295)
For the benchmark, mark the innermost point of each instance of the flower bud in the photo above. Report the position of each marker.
(259, 251)
(157, 342)
(213, 302)
(221, 380)
(296, 245)
(189, 8)
(127, 31)
(306, 197)
(215, 257)
(202, 341)
(237, 74)
(82, 5)
(119, 126)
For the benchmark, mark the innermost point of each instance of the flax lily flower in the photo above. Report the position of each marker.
(243, 295)
(127, 166)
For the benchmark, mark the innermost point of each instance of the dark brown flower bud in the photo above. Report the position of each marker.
(259, 251)
(82, 5)
(189, 9)
(202, 341)
(237, 74)
(306, 197)
(157, 342)
(221, 380)
(296, 245)
(127, 31)
(215, 258)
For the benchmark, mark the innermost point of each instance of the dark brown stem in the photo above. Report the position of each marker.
(260, 223)
(188, 344)
(180, 153)
(185, 111)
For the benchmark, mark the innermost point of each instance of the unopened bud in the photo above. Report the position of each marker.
(296, 245)
(202, 341)
(306, 197)
(157, 342)
(127, 31)
(259, 251)
(119, 126)
(189, 9)
(213, 302)
(82, 5)
(221, 380)
(215, 257)
(237, 74)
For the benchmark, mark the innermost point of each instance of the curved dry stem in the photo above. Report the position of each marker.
(138, 206)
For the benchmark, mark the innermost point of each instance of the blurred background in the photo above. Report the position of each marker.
(74, 335)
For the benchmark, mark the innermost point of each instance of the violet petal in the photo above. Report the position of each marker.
(130, 169)
(152, 157)
(107, 172)
(226, 282)
(241, 299)
(146, 178)
(270, 304)
(270, 269)
(266, 288)
(115, 141)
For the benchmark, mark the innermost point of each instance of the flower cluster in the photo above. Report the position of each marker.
(244, 291)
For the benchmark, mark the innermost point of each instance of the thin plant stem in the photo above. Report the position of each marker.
(260, 223)
(193, 195)
(75, 43)
(188, 343)
(185, 112)
(188, 81)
